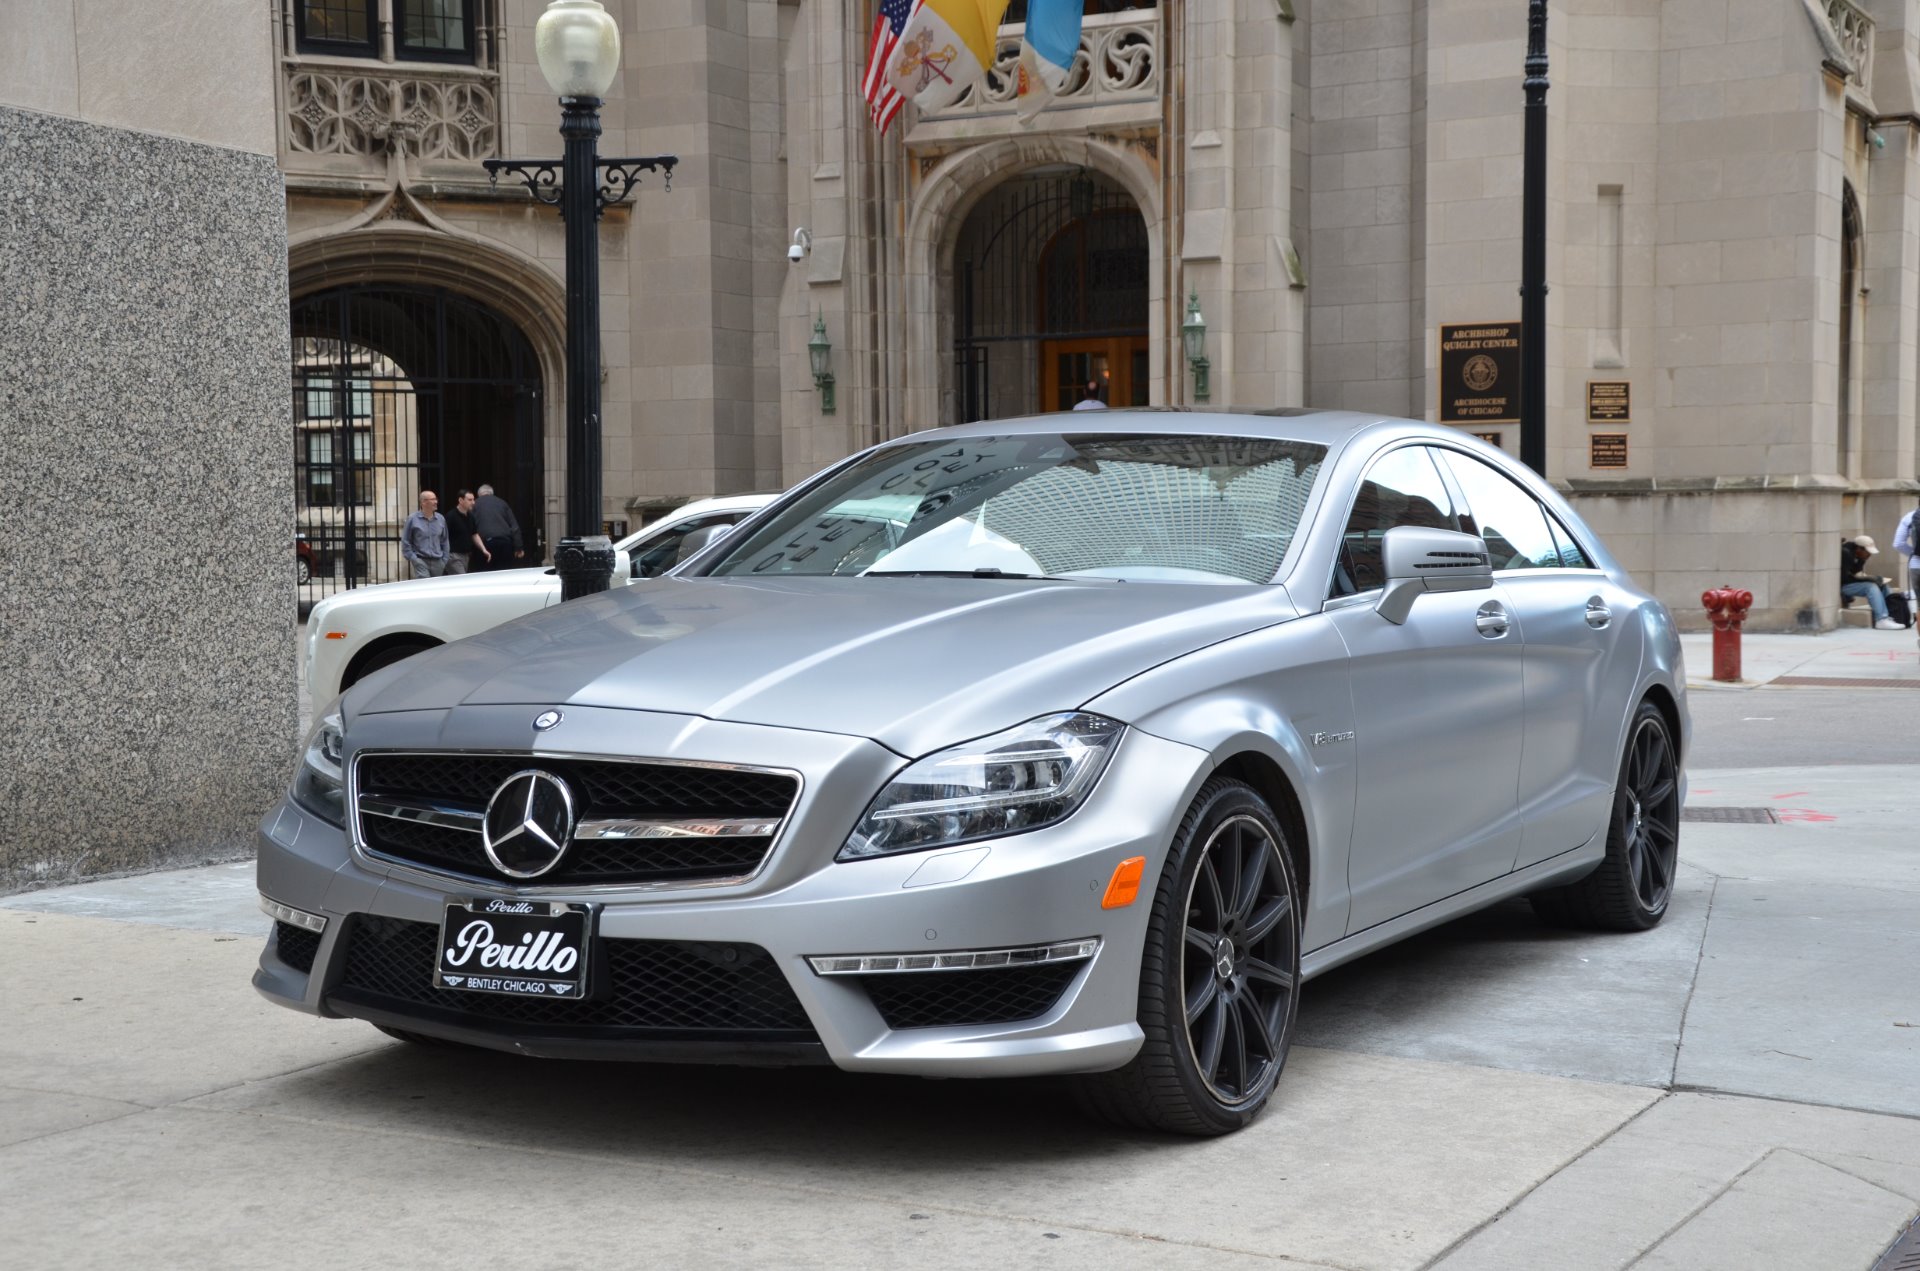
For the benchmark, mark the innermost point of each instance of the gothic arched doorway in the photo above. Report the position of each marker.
(1050, 290)
(397, 389)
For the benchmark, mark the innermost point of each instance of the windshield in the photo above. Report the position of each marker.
(1076, 505)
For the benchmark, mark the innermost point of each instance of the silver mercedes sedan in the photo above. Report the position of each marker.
(1049, 745)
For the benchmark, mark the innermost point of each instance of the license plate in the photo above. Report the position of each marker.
(520, 947)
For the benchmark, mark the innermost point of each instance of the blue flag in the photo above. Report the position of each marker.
(1047, 53)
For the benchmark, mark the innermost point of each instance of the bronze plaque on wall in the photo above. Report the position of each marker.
(1492, 439)
(1480, 373)
(1609, 402)
(1607, 450)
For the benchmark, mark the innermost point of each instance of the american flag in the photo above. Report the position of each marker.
(882, 100)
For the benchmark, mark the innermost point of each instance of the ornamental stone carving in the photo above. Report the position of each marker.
(352, 113)
(1853, 28)
(1118, 61)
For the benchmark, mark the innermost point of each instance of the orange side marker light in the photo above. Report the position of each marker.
(1124, 886)
(336, 635)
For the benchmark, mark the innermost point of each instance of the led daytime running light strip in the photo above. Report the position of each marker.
(957, 960)
(291, 916)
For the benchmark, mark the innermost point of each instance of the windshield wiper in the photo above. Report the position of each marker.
(985, 571)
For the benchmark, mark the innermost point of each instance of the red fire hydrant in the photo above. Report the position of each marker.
(1727, 609)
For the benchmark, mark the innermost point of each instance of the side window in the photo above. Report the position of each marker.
(1571, 557)
(656, 556)
(1508, 518)
(1402, 488)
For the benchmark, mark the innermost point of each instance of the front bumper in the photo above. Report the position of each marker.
(1030, 889)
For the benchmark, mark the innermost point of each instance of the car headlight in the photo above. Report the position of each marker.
(1030, 776)
(318, 785)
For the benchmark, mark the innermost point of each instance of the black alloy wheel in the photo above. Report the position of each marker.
(1653, 825)
(1633, 884)
(1219, 980)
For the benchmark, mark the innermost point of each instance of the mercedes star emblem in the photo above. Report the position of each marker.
(545, 720)
(529, 823)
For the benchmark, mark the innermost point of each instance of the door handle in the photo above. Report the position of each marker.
(1491, 621)
(1598, 615)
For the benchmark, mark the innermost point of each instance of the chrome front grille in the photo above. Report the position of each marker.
(639, 821)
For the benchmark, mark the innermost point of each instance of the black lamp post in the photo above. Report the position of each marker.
(578, 44)
(1533, 248)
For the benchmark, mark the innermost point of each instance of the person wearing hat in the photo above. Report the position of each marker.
(1854, 554)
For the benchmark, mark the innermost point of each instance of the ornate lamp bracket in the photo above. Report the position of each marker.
(619, 177)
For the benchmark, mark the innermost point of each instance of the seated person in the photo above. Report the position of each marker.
(1854, 553)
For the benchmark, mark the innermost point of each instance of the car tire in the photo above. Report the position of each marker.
(382, 658)
(1633, 884)
(1215, 1043)
(302, 572)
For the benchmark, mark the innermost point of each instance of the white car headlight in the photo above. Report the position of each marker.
(318, 785)
(1030, 776)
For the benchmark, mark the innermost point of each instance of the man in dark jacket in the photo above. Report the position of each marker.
(463, 540)
(498, 529)
(1854, 554)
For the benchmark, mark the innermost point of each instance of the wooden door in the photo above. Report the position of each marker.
(1118, 365)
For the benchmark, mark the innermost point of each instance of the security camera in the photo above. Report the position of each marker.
(802, 244)
(795, 252)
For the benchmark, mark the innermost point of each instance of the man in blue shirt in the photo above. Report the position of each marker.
(423, 539)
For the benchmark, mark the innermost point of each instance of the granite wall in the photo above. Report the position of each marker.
(147, 691)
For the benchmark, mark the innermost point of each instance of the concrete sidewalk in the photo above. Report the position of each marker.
(1855, 657)
(1738, 1089)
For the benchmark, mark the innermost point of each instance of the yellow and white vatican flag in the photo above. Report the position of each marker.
(945, 49)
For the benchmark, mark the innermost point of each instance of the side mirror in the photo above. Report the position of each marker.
(1416, 560)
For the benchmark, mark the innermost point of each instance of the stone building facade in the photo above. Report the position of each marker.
(1734, 260)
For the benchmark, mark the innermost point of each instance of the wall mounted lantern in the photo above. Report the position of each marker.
(1080, 192)
(1193, 333)
(818, 350)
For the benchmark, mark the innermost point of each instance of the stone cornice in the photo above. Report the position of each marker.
(1646, 487)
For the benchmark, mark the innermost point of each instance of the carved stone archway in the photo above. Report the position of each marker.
(404, 252)
(938, 210)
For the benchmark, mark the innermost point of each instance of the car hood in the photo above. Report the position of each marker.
(424, 591)
(913, 663)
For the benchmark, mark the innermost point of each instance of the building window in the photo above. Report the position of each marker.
(319, 477)
(1850, 266)
(435, 29)
(423, 30)
(330, 410)
(344, 27)
(1017, 9)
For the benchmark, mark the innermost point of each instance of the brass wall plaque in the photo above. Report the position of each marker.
(1480, 373)
(1609, 402)
(1607, 450)
(1492, 439)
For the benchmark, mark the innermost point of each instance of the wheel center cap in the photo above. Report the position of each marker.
(1633, 814)
(1223, 958)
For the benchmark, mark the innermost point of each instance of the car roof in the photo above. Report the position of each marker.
(718, 503)
(1293, 423)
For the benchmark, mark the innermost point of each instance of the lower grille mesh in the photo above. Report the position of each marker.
(643, 989)
(931, 999)
(297, 946)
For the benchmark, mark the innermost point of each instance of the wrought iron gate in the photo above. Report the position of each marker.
(398, 390)
(1054, 256)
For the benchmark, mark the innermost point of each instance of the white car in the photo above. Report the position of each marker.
(354, 633)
